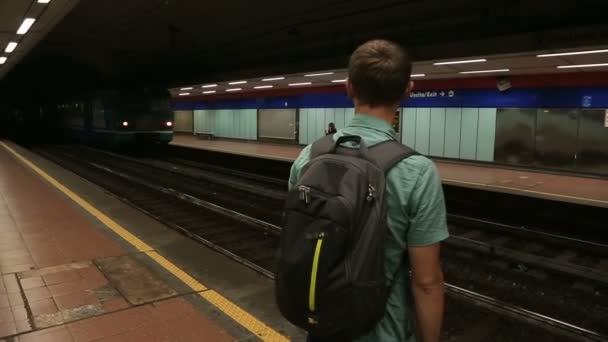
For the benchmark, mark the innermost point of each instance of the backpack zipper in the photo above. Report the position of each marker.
(304, 193)
(313, 273)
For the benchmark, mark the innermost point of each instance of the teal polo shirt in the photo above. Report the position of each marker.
(416, 217)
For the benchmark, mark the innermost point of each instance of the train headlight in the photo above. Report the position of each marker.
(169, 124)
(125, 124)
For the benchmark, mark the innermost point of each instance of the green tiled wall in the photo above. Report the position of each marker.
(227, 123)
(314, 121)
(459, 133)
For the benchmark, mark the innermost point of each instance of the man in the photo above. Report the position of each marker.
(379, 78)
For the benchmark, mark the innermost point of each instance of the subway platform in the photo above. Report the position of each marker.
(80, 265)
(531, 183)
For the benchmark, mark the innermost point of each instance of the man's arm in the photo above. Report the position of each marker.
(428, 291)
(296, 168)
(428, 227)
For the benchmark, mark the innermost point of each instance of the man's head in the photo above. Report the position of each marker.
(379, 74)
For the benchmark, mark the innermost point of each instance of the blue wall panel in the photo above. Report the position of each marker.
(321, 124)
(436, 147)
(340, 118)
(227, 123)
(588, 97)
(303, 126)
(486, 134)
(423, 130)
(408, 135)
(453, 123)
(468, 136)
(349, 114)
(312, 125)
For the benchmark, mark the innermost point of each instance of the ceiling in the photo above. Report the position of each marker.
(13, 13)
(172, 43)
(516, 64)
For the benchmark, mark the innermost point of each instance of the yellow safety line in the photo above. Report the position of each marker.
(245, 319)
(582, 199)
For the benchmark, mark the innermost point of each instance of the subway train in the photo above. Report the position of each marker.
(115, 118)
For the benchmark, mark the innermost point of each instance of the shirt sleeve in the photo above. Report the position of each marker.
(296, 168)
(428, 223)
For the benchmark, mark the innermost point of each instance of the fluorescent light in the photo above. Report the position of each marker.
(209, 92)
(273, 79)
(319, 74)
(299, 84)
(338, 81)
(187, 88)
(417, 75)
(10, 47)
(184, 94)
(484, 71)
(588, 52)
(25, 26)
(3, 60)
(210, 86)
(582, 66)
(263, 87)
(237, 82)
(234, 89)
(44, 1)
(462, 62)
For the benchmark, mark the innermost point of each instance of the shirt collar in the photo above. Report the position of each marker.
(368, 121)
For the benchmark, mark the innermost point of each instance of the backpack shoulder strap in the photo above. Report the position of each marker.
(322, 146)
(388, 153)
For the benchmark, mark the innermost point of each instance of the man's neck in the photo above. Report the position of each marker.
(385, 113)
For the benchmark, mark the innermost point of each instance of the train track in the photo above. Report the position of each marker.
(248, 239)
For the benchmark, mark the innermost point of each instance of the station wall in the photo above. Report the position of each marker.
(227, 123)
(314, 121)
(555, 128)
(183, 121)
(459, 133)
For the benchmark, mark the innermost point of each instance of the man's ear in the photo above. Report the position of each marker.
(349, 89)
(408, 89)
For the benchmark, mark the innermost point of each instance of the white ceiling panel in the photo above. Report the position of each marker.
(518, 64)
(12, 13)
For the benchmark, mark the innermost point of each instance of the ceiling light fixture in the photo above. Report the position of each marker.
(237, 82)
(10, 47)
(209, 92)
(263, 87)
(184, 94)
(319, 74)
(582, 66)
(417, 75)
(44, 1)
(187, 88)
(299, 84)
(587, 52)
(234, 89)
(3, 60)
(25, 26)
(273, 79)
(338, 81)
(462, 62)
(484, 71)
(210, 86)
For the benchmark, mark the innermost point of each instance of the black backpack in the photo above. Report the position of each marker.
(330, 276)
